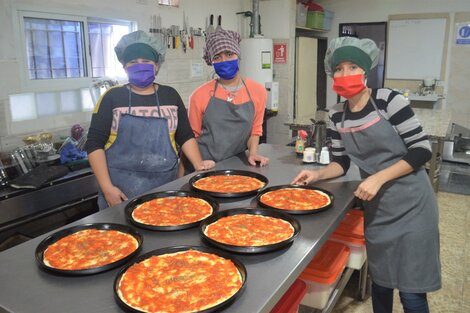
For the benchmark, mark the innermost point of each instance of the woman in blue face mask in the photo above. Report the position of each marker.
(136, 127)
(226, 113)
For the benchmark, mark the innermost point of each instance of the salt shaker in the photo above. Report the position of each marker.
(324, 156)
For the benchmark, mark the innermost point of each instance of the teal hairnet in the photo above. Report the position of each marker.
(362, 52)
(155, 41)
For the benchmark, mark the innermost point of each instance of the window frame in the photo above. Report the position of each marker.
(41, 85)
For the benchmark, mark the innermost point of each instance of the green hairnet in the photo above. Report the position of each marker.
(156, 42)
(362, 52)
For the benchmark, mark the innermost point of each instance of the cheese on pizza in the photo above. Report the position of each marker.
(187, 281)
(296, 199)
(172, 211)
(89, 248)
(249, 230)
(228, 183)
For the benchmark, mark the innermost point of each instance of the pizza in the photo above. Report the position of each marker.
(89, 248)
(186, 281)
(172, 211)
(249, 230)
(228, 183)
(296, 199)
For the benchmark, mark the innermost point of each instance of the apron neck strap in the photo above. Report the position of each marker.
(371, 98)
(243, 82)
(130, 101)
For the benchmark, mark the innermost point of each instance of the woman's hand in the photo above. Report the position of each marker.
(204, 165)
(369, 188)
(253, 158)
(114, 196)
(305, 177)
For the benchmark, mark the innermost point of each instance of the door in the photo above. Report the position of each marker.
(305, 77)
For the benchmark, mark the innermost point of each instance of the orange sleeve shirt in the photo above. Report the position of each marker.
(199, 100)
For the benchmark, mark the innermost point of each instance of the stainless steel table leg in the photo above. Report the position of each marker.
(364, 282)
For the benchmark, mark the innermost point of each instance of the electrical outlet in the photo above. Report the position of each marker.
(440, 83)
(143, 2)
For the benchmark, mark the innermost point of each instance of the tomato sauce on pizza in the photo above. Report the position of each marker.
(228, 183)
(172, 211)
(249, 230)
(187, 281)
(89, 248)
(296, 199)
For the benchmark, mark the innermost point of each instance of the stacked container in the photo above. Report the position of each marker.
(323, 273)
(289, 303)
(351, 233)
(315, 15)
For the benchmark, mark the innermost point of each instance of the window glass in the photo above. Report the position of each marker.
(22, 107)
(46, 103)
(103, 38)
(70, 101)
(54, 48)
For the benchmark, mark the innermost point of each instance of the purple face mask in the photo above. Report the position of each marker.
(141, 74)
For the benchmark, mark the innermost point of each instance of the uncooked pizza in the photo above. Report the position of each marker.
(89, 248)
(249, 230)
(187, 281)
(296, 199)
(228, 183)
(172, 211)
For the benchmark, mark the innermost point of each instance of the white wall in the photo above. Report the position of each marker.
(359, 11)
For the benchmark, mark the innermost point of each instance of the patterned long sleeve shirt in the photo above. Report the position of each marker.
(395, 108)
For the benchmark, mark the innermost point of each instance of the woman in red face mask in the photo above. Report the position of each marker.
(378, 131)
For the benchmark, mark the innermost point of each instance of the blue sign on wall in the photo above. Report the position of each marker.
(463, 34)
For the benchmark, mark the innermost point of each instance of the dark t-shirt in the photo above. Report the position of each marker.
(105, 120)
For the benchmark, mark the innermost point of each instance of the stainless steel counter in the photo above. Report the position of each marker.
(269, 274)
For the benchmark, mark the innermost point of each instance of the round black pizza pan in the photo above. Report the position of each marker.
(258, 198)
(39, 253)
(250, 249)
(228, 173)
(167, 194)
(241, 268)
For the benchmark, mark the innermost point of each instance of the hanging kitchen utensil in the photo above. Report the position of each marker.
(219, 23)
(210, 28)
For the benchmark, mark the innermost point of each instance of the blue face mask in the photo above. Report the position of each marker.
(141, 74)
(227, 69)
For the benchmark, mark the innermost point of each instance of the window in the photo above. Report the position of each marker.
(173, 3)
(68, 51)
(103, 38)
(54, 48)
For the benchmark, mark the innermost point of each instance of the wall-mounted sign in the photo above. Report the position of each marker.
(463, 34)
(280, 53)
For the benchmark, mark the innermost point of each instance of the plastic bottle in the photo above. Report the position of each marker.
(300, 142)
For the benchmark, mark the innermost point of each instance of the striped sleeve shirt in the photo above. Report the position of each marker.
(394, 107)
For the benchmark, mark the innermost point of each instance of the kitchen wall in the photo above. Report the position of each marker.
(175, 71)
(455, 87)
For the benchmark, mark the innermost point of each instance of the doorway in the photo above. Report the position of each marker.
(377, 31)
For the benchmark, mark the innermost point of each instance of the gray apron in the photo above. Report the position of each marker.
(226, 128)
(401, 221)
(142, 157)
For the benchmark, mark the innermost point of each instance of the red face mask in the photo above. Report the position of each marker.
(348, 86)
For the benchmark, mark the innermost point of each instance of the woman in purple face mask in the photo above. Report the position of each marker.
(226, 113)
(136, 127)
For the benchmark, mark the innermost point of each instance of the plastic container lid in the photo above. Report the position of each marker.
(312, 6)
(291, 299)
(327, 264)
(352, 225)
